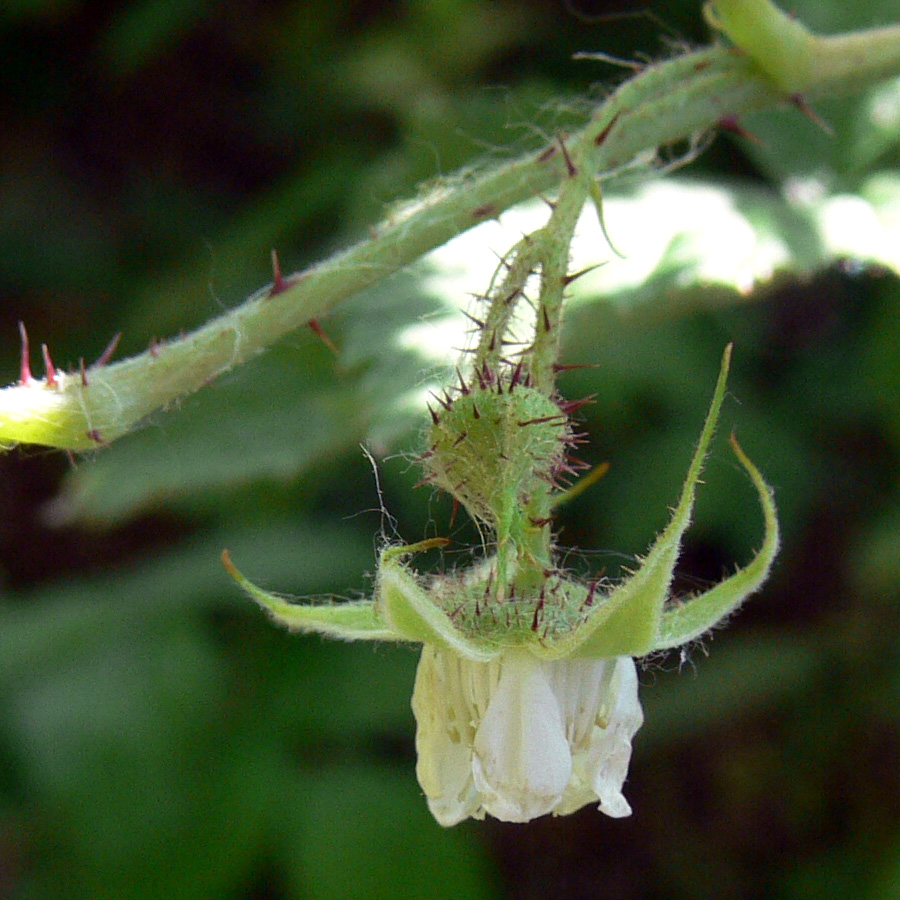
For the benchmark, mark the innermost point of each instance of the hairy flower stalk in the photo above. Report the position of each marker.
(526, 693)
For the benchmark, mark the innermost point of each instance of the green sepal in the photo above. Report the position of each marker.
(404, 605)
(695, 617)
(351, 621)
(627, 621)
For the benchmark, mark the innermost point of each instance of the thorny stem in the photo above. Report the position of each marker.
(557, 234)
(671, 101)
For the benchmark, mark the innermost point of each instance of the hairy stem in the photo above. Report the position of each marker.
(666, 102)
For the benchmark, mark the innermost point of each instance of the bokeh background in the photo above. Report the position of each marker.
(158, 737)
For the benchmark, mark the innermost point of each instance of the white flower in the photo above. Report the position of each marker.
(518, 737)
(526, 694)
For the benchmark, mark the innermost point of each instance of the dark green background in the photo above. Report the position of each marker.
(158, 738)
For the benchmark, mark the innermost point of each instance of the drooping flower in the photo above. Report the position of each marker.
(518, 737)
(526, 692)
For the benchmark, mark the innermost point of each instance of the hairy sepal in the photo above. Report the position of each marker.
(349, 621)
(693, 618)
(628, 621)
(406, 608)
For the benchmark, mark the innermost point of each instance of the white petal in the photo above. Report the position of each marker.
(607, 757)
(443, 739)
(522, 762)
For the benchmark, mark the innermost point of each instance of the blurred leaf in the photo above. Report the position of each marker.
(282, 414)
(59, 625)
(139, 30)
(336, 843)
(742, 674)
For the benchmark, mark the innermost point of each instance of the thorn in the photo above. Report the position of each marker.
(568, 279)
(731, 125)
(516, 375)
(485, 211)
(540, 523)
(320, 334)
(570, 406)
(592, 590)
(84, 380)
(475, 413)
(548, 201)
(535, 622)
(278, 282)
(471, 318)
(605, 133)
(25, 376)
(575, 464)
(463, 387)
(459, 440)
(94, 435)
(487, 589)
(106, 355)
(48, 366)
(434, 416)
(545, 318)
(570, 166)
(153, 348)
(570, 367)
(547, 154)
(504, 263)
(557, 420)
(801, 104)
(443, 403)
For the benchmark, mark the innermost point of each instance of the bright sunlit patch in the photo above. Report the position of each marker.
(451, 270)
(850, 227)
(694, 228)
(883, 107)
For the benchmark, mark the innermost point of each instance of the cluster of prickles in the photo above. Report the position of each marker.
(501, 447)
(554, 608)
(495, 439)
